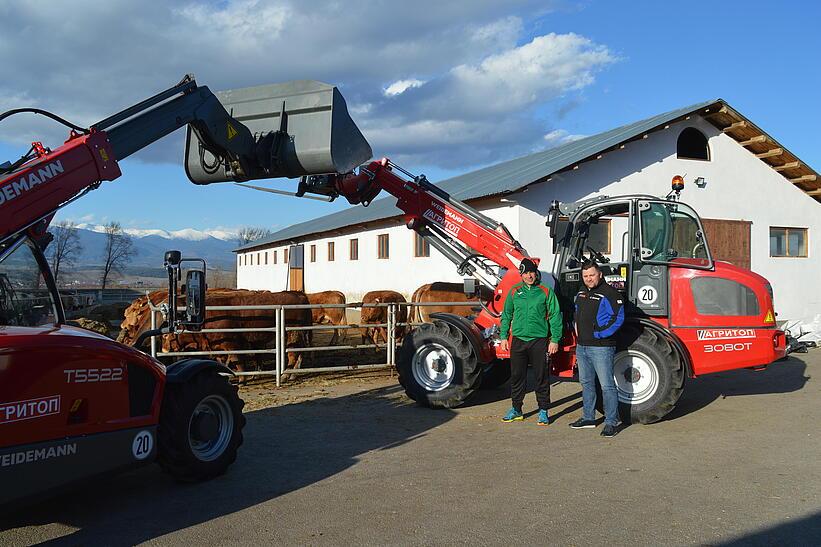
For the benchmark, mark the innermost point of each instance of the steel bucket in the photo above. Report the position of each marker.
(321, 136)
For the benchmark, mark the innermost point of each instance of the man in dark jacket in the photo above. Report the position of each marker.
(534, 312)
(599, 314)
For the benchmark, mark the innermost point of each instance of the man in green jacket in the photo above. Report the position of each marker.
(534, 313)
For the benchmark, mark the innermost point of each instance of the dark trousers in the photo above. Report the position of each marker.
(534, 353)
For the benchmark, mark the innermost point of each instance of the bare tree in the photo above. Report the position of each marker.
(119, 249)
(65, 248)
(249, 234)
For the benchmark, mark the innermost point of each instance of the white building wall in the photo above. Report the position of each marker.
(402, 271)
(739, 187)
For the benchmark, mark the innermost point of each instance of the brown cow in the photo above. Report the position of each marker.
(380, 315)
(445, 292)
(137, 320)
(327, 315)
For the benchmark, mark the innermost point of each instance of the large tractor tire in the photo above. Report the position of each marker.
(438, 366)
(200, 427)
(649, 376)
(495, 374)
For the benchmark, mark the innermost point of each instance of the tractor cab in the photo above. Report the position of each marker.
(635, 240)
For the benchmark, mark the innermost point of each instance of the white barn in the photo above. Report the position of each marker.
(760, 204)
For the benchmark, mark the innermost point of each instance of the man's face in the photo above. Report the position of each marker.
(591, 277)
(529, 277)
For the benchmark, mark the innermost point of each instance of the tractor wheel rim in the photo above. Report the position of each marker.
(636, 375)
(433, 367)
(213, 407)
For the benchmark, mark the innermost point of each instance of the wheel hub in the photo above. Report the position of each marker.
(205, 426)
(636, 375)
(210, 428)
(433, 367)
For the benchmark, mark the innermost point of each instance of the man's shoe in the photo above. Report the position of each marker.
(544, 419)
(513, 415)
(609, 431)
(581, 423)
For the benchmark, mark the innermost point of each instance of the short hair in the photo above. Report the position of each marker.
(587, 264)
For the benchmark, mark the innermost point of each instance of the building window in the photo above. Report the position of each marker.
(275, 257)
(692, 145)
(788, 242)
(313, 253)
(266, 258)
(285, 256)
(239, 260)
(354, 249)
(245, 260)
(420, 246)
(330, 251)
(383, 247)
(259, 259)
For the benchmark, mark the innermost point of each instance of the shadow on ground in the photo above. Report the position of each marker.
(780, 377)
(286, 448)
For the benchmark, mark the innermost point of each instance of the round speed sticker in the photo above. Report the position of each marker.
(647, 294)
(142, 445)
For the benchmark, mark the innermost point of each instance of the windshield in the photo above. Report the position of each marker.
(24, 297)
(671, 233)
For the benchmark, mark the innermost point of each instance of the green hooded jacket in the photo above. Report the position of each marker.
(534, 312)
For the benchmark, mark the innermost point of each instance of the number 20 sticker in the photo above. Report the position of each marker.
(142, 445)
(647, 294)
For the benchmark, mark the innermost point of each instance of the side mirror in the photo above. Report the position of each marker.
(553, 223)
(195, 288)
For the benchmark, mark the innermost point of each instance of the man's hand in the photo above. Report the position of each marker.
(505, 345)
(552, 348)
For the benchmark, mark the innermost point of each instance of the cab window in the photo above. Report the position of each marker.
(25, 300)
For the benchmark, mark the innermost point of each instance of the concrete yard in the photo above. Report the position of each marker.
(351, 461)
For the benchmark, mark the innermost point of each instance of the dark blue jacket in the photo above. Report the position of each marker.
(599, 314)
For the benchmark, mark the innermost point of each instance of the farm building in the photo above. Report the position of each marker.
(759, 203)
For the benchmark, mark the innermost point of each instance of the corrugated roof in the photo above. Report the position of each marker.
(502, 178)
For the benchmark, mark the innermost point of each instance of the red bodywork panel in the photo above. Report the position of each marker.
(720, 342)
(43, 184)
(58, 382)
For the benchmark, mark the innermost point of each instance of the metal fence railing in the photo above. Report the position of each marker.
(280, 329)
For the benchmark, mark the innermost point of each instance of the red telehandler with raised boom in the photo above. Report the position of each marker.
(75, 404)
(687, 314)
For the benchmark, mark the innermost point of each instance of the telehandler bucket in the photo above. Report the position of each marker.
(310, 122)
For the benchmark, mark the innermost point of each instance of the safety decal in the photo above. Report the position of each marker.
(231, 131)
(769, 318)
(29, 409)
(142, 445)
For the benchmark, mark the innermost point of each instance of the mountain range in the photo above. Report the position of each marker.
(214, 246)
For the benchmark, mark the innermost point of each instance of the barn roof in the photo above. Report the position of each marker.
(513, 175)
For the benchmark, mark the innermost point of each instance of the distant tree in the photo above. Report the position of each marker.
(119, 249)
(65, 248)
(249, 234)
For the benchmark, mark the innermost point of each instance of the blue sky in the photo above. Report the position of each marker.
(480, 82)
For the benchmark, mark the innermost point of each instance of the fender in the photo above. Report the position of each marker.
(669, 336)
(184, 370)
(467, 327)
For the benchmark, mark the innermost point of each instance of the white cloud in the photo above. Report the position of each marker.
(560, 136)
(449, 83)
(400, 86)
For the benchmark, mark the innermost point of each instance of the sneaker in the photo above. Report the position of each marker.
(544, 419)
(581, 423)
(513, 415)
(609, 431)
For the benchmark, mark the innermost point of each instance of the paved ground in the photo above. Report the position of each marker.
(353, 462)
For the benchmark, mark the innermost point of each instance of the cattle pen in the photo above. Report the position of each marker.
(394, 330)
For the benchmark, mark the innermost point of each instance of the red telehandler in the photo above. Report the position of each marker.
(73, 403)
(687, 314)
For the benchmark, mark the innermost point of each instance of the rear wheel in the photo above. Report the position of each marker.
(649, 375)
(495, 373)
(438, 366)
(200, 427)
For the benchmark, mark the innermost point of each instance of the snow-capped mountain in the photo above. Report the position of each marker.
(214, 246)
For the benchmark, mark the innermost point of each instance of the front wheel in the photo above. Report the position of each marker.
(200, 427)
(438, 366)
(649, 377)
